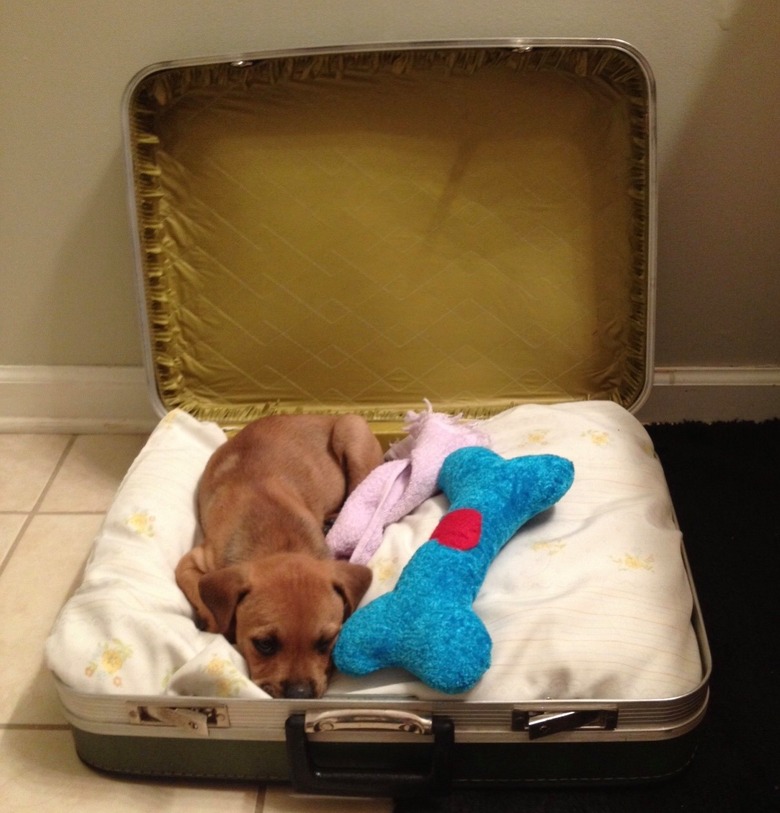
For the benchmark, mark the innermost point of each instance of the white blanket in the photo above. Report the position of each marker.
(589, 600)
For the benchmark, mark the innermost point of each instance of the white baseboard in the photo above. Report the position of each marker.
(716, 377)
(712, 394)
(115, 399)
(74, 400)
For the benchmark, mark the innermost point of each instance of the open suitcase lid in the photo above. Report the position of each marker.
(471, 223)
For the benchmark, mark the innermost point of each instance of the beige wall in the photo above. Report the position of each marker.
(65, 260)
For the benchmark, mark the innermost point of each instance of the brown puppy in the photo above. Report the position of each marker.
(263, 575)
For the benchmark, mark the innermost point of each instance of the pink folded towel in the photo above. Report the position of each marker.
(399, 485)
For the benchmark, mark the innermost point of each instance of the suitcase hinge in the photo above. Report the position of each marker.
(197, 720)
(543, 723)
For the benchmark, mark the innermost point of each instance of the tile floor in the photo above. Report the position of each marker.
(54, 490)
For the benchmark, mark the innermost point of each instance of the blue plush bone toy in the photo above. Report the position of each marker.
(426, 624)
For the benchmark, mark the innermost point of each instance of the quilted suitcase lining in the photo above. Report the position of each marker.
(364, 230)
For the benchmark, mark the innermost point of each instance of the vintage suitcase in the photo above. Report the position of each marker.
(359, 229)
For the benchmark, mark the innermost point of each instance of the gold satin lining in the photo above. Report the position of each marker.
(362, 231)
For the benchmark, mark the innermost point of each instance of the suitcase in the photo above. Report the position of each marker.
(359, 229)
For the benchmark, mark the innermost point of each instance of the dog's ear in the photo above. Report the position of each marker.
(351, 582)
(221, 590)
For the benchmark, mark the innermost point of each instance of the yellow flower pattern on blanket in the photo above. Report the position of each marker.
(597, 437)
(536, 437)
(170, 418)
(551, 548)
(632, 562)
(386, 569)
(110, 659)
(141, 523)
(224, 677)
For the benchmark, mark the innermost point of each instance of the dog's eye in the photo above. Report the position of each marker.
(323, 645)
(266, 646)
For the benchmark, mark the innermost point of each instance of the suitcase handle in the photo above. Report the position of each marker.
(308, 777)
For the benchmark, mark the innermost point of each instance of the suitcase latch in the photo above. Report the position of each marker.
(543, 723)
(195, 719)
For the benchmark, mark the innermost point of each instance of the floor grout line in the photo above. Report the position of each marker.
(33, 512)
(57, 468)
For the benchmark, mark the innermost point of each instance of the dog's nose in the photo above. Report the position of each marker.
(300, 691)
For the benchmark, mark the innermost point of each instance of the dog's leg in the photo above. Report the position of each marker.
(356, 448)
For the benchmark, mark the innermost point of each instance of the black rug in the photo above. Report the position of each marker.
(725, 486)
